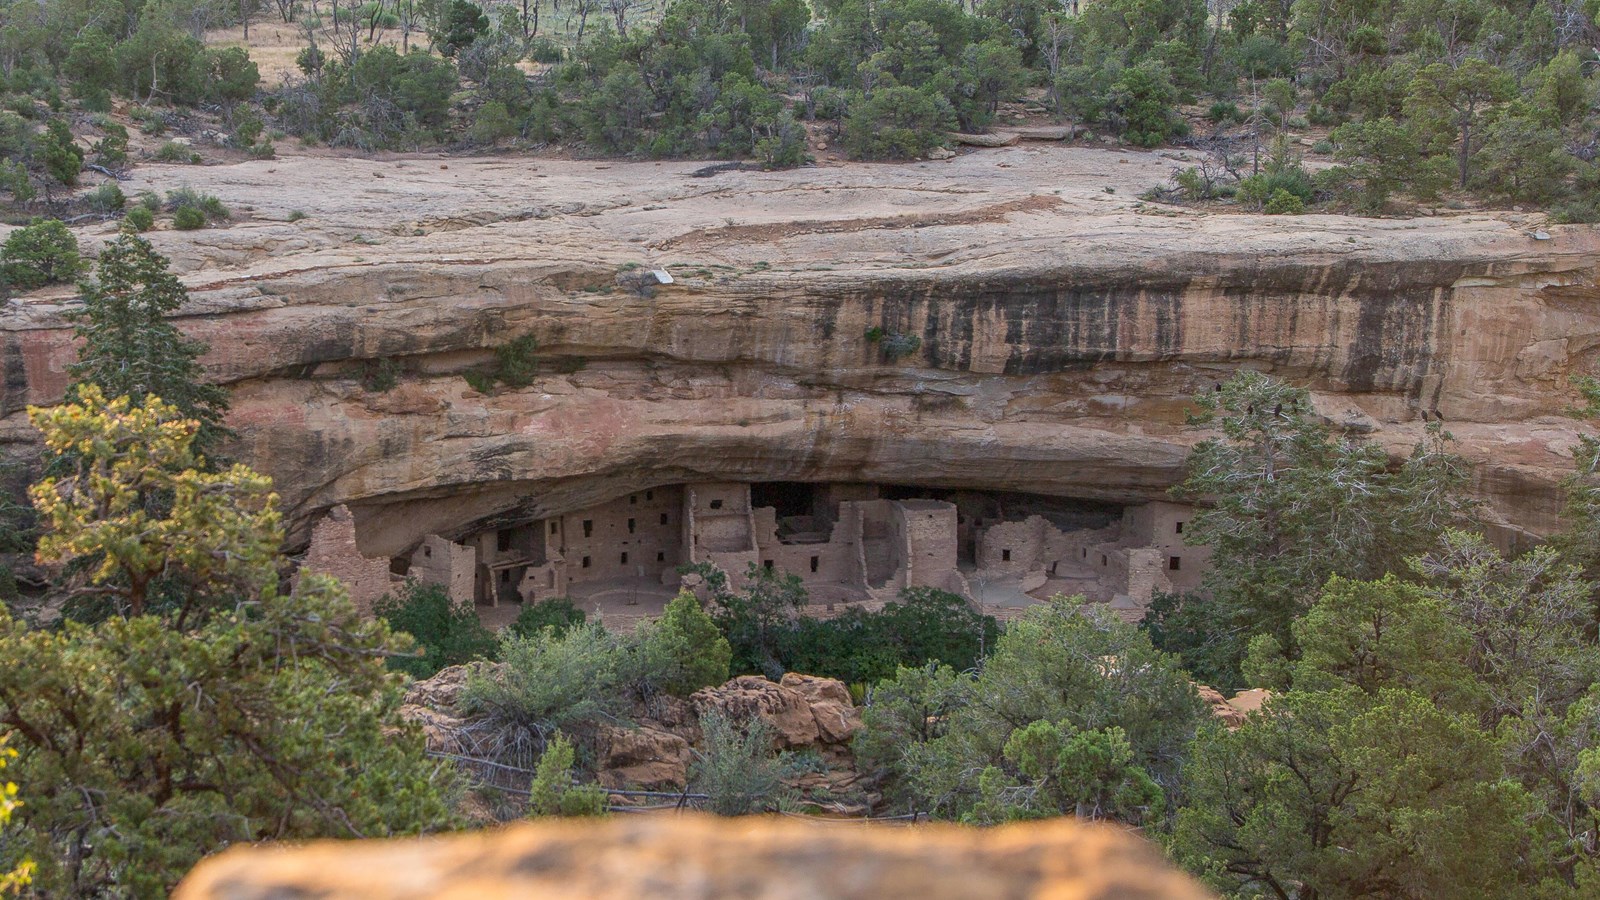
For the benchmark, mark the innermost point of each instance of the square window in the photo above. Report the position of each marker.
(716, 504)
(1174, 562)
(586, 562)
(661, 556)
(768, 564)
(1005, 555)
(663, 518)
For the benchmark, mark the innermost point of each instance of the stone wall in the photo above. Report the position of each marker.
(333, 551)
(448, 564)
(930, 528)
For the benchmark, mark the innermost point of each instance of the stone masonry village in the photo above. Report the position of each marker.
(848, 543)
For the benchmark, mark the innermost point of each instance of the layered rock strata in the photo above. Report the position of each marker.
(1008, 320)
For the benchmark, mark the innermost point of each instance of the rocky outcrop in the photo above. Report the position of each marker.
(1232, 712)
(1061, 327)
(653, 748)
(673, 857)
(803, 710)
(646, 757)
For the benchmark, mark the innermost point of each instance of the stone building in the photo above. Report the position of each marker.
(846, 542)
(333, 551)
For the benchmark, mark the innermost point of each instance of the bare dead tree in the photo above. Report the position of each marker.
(619, 11)
(372, 21)
(582, 9)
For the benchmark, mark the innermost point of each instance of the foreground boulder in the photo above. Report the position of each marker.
(673, 856)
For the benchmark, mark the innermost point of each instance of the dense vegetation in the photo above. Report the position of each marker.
(1294, 104)
(183, 702)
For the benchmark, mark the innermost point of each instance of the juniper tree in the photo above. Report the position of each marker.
(1291, 504)
(130, 348)
(148, 741)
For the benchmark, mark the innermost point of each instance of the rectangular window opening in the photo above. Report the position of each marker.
(1174, 562)
(1005, 555)
(661, 556)
(663, 518)
(586, 562)
(630, 526)
(814, 563)
(1180, 528)
(502, 540)
(624, 559)
(588, 528)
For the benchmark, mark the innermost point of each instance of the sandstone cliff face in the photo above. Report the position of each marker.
(684, 857)
(1061, 329)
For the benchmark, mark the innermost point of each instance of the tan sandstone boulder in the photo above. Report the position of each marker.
(803, 710)
(666, 857)
(646, 757)
(835, 713)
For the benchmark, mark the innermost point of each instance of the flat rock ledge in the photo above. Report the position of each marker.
(694, 856)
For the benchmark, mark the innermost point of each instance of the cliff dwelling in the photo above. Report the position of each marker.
(848, 543)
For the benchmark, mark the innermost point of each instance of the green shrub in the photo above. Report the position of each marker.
(515, 365)
(1284, 203)
(1259, 190)
(380, 376)
(735, 767)
(447, 633)
(896, 346)
(550, 682)
(139, 218)
(1222, 112)
(107, 198)
(208, 205)
(897, 123)
(492, 123)
(188, 218)
(556, 613)
(173, 152)
(552, 792)
(1144, 104)
(111, 150)
(682, 651)
(44, 252)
